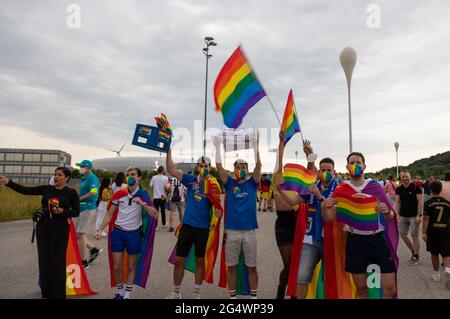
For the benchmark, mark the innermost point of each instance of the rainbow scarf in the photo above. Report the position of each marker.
(236, 89)
(77, 283)
(144, 260)
(357, 210)
(297, 178)
(290, 125)
(212, 190)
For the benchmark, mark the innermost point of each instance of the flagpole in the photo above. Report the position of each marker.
(295, 107)
(260, 83)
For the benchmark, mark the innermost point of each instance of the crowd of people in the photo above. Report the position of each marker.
(401, 206)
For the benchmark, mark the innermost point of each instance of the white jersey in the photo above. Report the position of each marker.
(129, 216)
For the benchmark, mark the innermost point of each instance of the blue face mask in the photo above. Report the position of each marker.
(131, 181)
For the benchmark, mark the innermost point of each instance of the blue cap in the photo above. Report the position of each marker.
(86, 163)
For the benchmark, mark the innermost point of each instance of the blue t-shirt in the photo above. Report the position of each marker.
(89, 184)
(197, 212)
(314, 228)
(241, 205)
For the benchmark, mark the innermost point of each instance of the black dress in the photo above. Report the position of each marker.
(52, 235)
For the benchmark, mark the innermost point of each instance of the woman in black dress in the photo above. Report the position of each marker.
(59, 202)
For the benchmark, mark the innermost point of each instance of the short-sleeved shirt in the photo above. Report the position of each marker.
(390, 188)
(241, 205)
(181, 188)
(197, 211)
(408, 199)
(129, 216)
(438, 209)
(158, 183)
(89, 183)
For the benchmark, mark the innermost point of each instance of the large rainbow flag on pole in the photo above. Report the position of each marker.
(290, 125)
(211, 189)
(297, 178)
(237, 89)
(77, 283)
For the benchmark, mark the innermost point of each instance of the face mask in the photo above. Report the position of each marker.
(240, 173)
(326, 177)
(356, 170)
(82, 170)
(203, 171)
(131, 181)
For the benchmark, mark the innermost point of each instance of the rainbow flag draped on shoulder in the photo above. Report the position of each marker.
(148, 230)
(290, 125)
(212, 190)
(237, 89)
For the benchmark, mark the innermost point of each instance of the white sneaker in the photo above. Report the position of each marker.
(436, 277)
(104, 234)
(196, 295)
(174, 295)
(447, 280)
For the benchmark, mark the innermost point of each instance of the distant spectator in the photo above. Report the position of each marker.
(390, 188)
(119, 182)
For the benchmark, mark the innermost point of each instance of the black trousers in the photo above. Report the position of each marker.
(161, 203)
(52, 236)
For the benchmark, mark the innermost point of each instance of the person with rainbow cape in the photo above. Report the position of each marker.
(200, 228)
(367, 246)
(132, 220)
(309, 243)
(240, 222)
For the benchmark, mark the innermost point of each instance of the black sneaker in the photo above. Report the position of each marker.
(94, 254)
(171, 229)
(85, 264)
(118, 296)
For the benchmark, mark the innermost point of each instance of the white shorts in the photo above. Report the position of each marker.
(85, 223)
(238, 240)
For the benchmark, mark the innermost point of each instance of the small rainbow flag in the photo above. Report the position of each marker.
(236, 89)
(163, 123)
(357, 210)
(164, 134)
(297, 178)
(290, 124)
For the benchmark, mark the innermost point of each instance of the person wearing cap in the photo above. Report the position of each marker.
(195, 226)
(240, 218)
(85, 223)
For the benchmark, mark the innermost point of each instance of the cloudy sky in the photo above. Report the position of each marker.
(83, 90)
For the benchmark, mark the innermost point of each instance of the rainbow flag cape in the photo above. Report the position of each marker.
(210, 188)
(338, 284)
(236, 89)
(297, 178)
(242, 283)
(77, 283)
(144, 260)
(390, 233)
(357, 210)
(290, 125)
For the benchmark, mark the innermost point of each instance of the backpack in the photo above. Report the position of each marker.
(176, 196)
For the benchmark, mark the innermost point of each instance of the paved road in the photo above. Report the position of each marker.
(19, 271)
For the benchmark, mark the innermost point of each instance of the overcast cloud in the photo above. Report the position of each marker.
(83, 90)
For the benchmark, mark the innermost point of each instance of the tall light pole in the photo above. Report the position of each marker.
(396, 145)
(296, 154)
(209, 42)
(348, 60)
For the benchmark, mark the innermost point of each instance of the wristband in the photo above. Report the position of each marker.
(312, 157)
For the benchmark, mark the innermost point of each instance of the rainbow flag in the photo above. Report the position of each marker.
(290, 124)
(357, 210)
(77, 283)
(297, 178)
(236, 89)
(163, 123)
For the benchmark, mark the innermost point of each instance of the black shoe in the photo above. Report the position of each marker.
(85, 264)
(94, 254)
(171, 229)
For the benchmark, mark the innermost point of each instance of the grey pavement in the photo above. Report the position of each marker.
(19, 270)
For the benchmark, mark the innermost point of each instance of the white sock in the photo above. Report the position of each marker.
(197, 289)
(128, 290)
(120, 290)
(435, 272)
(447, 269)
(177, 289)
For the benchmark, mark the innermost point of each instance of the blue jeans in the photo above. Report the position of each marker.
(311, 255)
